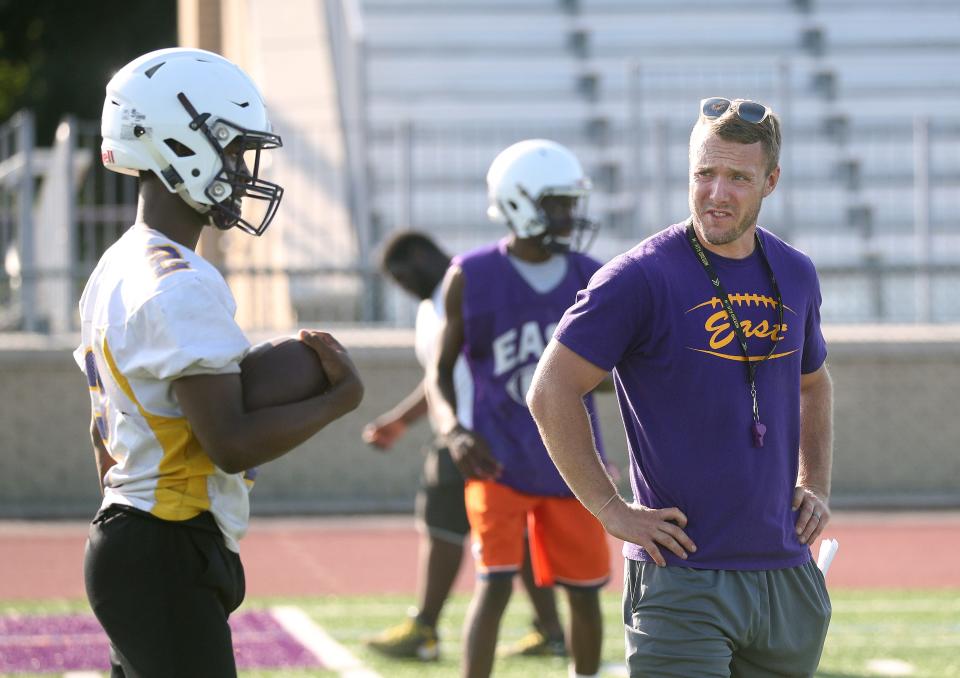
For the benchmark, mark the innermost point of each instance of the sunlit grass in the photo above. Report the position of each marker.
(873, 633)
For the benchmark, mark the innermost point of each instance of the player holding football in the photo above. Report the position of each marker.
(175, 448)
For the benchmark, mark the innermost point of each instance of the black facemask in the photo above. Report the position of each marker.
(225, 212)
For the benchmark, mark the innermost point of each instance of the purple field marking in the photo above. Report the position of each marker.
(259, 642)
(54, 643)
(57, 643)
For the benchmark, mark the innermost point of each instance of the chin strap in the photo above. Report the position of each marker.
(557, 244)
(170, 174)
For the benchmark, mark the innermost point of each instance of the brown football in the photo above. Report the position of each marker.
(281, 371)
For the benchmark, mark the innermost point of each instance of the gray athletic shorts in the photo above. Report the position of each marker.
(440, 508)
(684, 622)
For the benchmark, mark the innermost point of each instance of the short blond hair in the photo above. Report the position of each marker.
(730, 127)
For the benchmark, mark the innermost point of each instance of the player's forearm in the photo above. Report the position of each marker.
(816, 434)
(250, 439)
(409, 410)
(441, 393)
(565, 428)
(442, 399)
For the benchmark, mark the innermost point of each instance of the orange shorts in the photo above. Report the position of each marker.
(567, 544)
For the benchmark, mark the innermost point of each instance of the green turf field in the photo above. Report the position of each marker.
(914, 633)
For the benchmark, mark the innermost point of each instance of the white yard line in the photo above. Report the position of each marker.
(890, 667)
(311, 635)
(82, 674)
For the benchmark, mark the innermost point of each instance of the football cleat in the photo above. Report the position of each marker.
(411, 639)
(535, 644)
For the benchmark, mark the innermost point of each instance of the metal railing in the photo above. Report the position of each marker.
(17, 185)
(59, 210)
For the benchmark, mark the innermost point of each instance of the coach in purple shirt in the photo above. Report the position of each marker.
(712, 330)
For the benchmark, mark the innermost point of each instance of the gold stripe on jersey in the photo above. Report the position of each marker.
(181, 491)
(97, 396)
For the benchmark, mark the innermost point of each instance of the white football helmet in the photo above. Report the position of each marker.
(173, 112)
(525, 173)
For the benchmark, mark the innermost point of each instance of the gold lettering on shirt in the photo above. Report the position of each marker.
(720, 331)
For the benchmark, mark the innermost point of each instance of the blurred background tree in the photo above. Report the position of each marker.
(56, 56)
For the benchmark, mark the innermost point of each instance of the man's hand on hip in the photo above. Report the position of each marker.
(649, 528)
(813, 513)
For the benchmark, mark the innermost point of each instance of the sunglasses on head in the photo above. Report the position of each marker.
(748, 111)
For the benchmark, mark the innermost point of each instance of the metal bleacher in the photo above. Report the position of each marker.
(858, 84)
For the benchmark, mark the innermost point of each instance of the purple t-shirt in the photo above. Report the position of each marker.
(507, 324)
(652, 316)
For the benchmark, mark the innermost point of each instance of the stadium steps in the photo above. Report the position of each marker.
(457, 80)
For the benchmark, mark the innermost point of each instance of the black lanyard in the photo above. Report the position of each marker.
(756, 429)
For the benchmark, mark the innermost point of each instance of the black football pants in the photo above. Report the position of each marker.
(162, 591)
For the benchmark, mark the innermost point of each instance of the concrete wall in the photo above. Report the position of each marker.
(897, 428)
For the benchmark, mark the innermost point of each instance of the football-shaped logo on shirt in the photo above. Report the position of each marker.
(760, 326)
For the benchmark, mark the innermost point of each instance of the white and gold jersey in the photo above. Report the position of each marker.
(154, 311)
